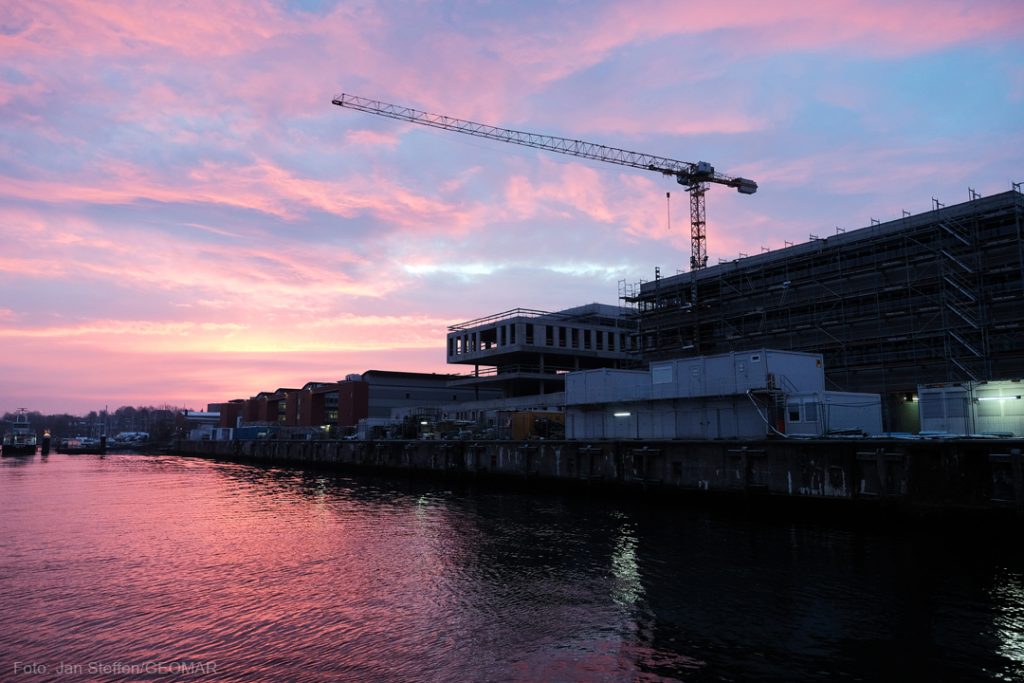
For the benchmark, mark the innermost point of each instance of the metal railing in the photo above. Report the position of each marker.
(504, 315)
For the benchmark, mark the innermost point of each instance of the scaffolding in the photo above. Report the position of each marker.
(932, 297)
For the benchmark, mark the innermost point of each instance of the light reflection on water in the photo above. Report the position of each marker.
(283, 574)
(1007, 596)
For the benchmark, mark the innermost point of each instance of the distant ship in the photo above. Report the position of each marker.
(19, 438)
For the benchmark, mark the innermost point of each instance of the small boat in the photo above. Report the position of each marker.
(82, 445)
(128, 442)
(19, 438)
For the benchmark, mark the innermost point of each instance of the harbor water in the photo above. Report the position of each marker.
(130, 567)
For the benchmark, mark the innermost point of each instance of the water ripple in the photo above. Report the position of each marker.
(137, 562)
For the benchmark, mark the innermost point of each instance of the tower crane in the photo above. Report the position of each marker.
(695, 177)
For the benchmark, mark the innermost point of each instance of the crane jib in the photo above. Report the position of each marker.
(694, 176)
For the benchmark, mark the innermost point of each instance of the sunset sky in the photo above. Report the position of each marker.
(186, 218)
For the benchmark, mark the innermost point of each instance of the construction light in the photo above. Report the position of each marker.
(999, 398)
(623, 414)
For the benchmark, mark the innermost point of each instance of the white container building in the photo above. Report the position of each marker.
(737, 395)
(994, 408)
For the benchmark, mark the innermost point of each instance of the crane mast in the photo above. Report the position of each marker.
(696, 177)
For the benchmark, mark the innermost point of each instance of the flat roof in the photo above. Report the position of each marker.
(568, 314)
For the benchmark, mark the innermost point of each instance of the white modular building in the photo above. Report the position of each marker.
(736, 395)
(994, 408)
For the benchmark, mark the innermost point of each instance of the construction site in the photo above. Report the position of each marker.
(881, 364)
(931, 298)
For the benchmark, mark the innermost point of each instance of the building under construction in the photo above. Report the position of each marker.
(527, 352)
(934, 297)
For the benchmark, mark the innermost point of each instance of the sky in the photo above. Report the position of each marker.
(185, 218)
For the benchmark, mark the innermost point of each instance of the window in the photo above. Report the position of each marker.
(661, 374)
(932, 406)
(793, 411)
(956, 406)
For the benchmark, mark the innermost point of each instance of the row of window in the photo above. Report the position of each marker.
(554, 336)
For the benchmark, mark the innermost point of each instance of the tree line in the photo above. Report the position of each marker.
(159, 422)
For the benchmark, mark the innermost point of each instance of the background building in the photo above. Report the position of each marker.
(337, 407)
(526, 352)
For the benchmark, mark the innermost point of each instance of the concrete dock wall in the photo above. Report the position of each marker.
(969, 474)
(930, 476)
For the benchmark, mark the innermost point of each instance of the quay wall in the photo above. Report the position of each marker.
(926, 476)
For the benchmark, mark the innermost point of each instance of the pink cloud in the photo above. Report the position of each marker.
(568, 185)
(459, 182)
(129, 27)
(481, 77)
(686, 119)
(372, 138)
(256, 278)
(741, 30)
(873, 27)
(33, 91)
(346, 333)
(264, 187)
